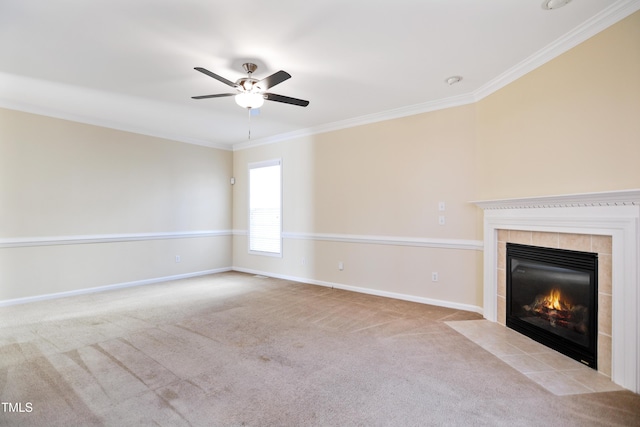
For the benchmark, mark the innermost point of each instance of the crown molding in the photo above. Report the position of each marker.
(49, 112)
(396, 113)
(609, 16)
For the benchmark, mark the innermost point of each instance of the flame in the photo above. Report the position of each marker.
(554, 302)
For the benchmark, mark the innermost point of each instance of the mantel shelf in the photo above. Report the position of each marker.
(608, 198)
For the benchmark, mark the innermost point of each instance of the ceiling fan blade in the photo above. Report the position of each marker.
(215, 76)
(219, 95)
(285, 99)
(273, 79)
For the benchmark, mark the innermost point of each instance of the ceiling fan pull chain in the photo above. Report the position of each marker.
(249, 110)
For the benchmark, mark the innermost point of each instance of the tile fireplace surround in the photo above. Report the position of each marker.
(575, 222)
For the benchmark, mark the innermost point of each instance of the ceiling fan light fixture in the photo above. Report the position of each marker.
(249, 100)
(554, 4)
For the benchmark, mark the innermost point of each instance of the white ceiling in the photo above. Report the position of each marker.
(128, 64)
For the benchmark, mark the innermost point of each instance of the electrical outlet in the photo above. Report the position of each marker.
(434, 276)
(441, 206)
(303, 261)
(178, 259)
(441, 220)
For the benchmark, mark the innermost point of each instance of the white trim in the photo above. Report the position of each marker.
(368, 291)
(97, 289)
(257, 165)
(19, 242)
(264, 163)
(267, 254)
(426, 242)
(109, 124)
(396, 113)
(609, 16)
(620, 220)
(390, 240)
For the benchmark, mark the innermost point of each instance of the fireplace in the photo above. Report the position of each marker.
(551, 297)
(612, 216)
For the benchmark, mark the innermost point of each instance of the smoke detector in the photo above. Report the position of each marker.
(554, 4)
(453, 80)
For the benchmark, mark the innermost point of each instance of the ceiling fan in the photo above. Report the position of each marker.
(251, 93)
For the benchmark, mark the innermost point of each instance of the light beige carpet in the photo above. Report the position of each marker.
(233, 349)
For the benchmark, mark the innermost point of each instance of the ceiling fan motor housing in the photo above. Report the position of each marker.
(249, 67)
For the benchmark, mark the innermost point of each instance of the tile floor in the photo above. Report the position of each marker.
(555, 372)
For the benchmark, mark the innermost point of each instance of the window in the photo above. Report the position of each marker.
(265, 206)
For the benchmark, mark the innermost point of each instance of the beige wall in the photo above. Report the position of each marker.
(383, 180)
(60, 179)
(570, 126)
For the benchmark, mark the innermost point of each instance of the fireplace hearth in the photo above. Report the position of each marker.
(552, 298)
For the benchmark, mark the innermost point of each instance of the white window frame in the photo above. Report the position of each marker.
(257, 165)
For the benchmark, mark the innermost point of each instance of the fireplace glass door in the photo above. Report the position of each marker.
(552, 298)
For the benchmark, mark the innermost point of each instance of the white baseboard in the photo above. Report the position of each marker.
(394, 295)
(56, 295)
